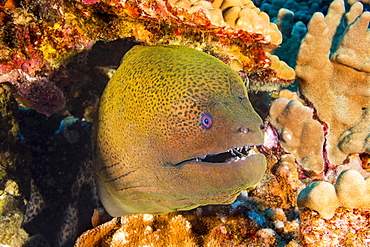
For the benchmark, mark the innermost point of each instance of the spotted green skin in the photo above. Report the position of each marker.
(149, 122)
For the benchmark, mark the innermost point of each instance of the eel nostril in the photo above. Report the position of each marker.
(262, 127)
(243, 129)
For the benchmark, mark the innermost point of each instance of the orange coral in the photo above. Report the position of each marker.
(349, 227)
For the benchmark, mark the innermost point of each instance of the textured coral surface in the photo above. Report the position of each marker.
(347, 228)
(338, 84)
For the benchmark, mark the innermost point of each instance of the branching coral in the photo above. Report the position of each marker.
(339, 84)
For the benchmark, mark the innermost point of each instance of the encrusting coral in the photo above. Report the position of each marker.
(238, 14)
(140, 230)
(349, 227)
(206, 226)
(338, 84)
(215, 29)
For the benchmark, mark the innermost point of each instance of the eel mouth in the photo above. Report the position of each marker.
(232, 155)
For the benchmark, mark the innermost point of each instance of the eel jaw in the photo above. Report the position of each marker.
(232, 155)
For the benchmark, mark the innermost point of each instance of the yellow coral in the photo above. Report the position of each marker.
(236, 13)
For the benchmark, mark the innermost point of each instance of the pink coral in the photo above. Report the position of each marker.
(35, 92)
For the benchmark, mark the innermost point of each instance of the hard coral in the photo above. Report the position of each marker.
(299, 133)
(339, 84)
(11, 216)
(14, 157)
(237, 14)
(203, 25)
(347, 228)
(351, 190)
(206, 226)
(140, 230)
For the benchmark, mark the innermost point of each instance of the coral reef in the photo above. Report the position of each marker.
(40, 37)
(140, 230)
(350, 191)
(47, 47)
(349, 227)
(9, 130)
(11, 215)
(299, 133)
(341, 79)
(14, 161)
(303, 10)
(35, 92)
(264, 216)
(205, 226)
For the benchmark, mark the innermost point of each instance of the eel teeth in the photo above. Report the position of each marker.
(232, 155)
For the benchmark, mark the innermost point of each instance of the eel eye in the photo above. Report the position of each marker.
(206, 121)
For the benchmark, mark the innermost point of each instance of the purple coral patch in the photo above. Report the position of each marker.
(35, 92)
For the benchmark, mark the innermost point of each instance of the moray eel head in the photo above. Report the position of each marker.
(175, 131)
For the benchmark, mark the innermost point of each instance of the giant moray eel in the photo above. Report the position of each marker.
(174, 131)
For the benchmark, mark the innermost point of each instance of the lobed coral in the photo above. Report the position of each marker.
(238, 14)
(299, 133)
(244, 51)
(338, 85)
(303, 10)
(350, 191)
